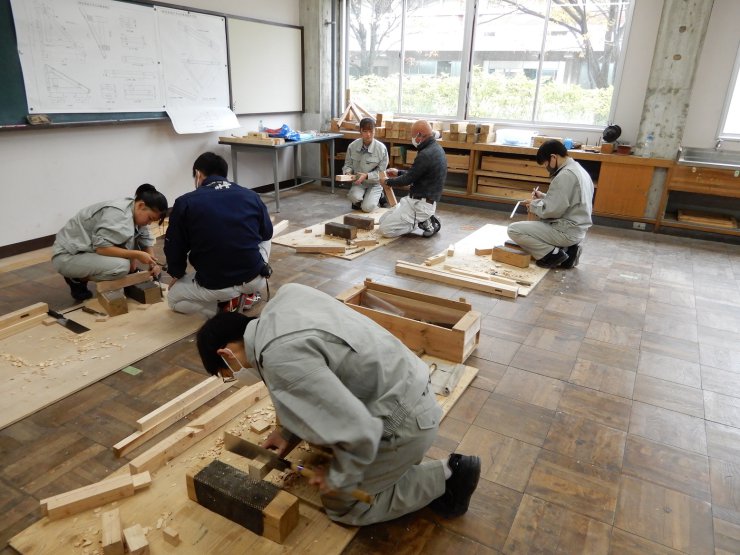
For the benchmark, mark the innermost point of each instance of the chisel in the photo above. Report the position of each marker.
(71, 325)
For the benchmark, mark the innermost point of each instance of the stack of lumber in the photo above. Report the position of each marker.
(255, 138)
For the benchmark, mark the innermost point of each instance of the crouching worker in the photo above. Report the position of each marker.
(564, 211)
(108, 240)
(366, 400)
(224, 231)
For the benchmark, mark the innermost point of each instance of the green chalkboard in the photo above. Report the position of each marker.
(13, 102)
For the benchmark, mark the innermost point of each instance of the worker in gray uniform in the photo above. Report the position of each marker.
(564, 211)
(366, 158)
(107, 240)
(339, 380)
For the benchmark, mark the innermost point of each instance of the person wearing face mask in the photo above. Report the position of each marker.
(366, 158)
(224, 231)
(425, 180)
(339, 380)
(564, 211)
(108, 240)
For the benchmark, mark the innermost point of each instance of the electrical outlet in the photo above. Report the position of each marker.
(638, 225)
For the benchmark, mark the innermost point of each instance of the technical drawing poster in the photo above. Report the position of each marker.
(83, 56)
(196, 73)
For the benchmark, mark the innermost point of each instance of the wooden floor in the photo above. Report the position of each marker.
(606, 411)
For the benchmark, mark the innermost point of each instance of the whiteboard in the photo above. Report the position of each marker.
(266, 67)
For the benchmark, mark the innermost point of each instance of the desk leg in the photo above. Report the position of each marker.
(331, 164)
(296, 155)
(233, 165)
(275, 176)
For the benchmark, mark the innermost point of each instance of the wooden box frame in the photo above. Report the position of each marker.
(438, 327)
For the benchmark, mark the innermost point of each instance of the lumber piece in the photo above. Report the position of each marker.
(279, 227)
(198, 429)
(388, 191)
(511, 257)
(113, 302)
(513, 245)
(171, 536)
(319, 249)
(483, 251)
(110, 526)
(409, 268)
(93, 495)
(340, 230)
(136, 541)
(22, 319)
(360, 222)
(436, 259)
(259, 506)
(130, 279)
(466, 272)
(451, 250)
(365, 242)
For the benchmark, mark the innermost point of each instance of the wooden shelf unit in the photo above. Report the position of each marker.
(623, 186)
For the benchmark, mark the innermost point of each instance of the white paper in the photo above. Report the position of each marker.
(194, 58)
(201, 119)
(88, 56)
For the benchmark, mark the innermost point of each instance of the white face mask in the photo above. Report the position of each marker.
(415, 142)
(247, 375)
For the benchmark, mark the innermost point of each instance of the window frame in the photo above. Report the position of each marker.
(731, 89)
(469, 25)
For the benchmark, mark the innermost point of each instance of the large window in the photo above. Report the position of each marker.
(545, 61)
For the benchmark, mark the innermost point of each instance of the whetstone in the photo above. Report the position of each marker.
(340, 230)
(360, 222)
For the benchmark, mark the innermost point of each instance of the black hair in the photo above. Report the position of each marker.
(367, 123)
(550, 147)
(153, 199)
(223, 328)
(210, 163)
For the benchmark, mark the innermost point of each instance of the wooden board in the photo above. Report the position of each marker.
(308, 237)
(707, 218)
(464, 257)
(202, 531)
(44, 364)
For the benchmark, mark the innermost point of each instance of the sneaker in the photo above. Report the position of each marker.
(552, 259)
(574, 253)
(436, 223)
(356, 206)
(248, 301)
(459, 487)
(232, 305)
(78, 289)
(428, 228)
(383, 201)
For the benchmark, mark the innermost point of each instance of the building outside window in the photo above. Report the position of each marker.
(731, 121)
(544, 61)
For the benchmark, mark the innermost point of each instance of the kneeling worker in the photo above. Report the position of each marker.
(224, 230)
(339, 380)
(565, 211)
(366, 158)
(426, 179)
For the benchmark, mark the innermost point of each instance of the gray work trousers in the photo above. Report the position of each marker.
(89, 265)
(539, 238)
(367, 193)
(404, 217)
(400, 482)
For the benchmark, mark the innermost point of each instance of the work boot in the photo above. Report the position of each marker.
(248, 301)
(428, 228)
(356, 206)
(459, 487)
(574, 253)
(552, 259)
(78, 289)
(436, 223)
(383, 201)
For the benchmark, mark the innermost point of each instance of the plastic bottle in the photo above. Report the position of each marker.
(260, 127)
(647, 150)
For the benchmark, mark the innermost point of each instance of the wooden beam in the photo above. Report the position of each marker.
(153, 423)
(511, 257)
(22, 319)
(408, 268)
(113, 302)
(319, 249)
(390, 195)
(136, 541)
(436, 259)
(130, 279)
(483, 251)
(279, 227)
(110, 525)
(94, 495)
(198, 429)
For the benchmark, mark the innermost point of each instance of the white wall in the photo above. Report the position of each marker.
(713, 76)
(49, 174)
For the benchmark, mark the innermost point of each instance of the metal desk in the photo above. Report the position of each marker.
(237, 146)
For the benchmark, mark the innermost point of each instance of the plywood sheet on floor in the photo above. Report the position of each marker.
(202, 531)
(488, 236)
(314, 235)
(44, 364)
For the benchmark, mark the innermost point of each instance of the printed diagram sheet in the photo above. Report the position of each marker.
(196, 73)
(83, 56)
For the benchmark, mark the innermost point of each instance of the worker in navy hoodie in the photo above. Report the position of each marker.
(224, 231)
